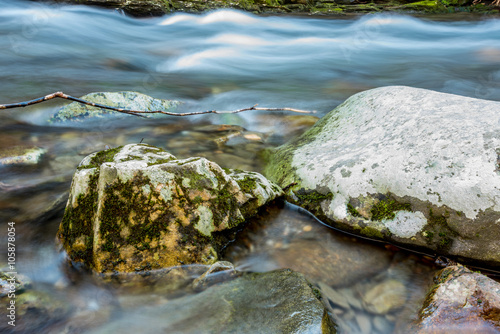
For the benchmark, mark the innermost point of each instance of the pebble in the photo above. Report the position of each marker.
(332, 295)
(353, 300)
(385, 297)
(364, 323)
(381, 324)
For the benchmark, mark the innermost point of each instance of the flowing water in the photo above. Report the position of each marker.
(224, 60)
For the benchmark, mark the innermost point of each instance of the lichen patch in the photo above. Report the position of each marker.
(406, 224)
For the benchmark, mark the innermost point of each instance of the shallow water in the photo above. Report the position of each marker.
(223, 60)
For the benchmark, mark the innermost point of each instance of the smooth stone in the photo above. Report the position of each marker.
(387, 296)
(406, 165)
(273, 302)
(333, 296)
(334, 262)
(364, 323)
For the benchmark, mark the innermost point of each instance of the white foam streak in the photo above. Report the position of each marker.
(235, 39)
(221, 16)
(202, 57)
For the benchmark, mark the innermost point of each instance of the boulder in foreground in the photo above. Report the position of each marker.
(139, 208)
(406, 165)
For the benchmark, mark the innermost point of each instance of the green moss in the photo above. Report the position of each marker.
(352, 210)
(198, 181)
(78, 221)
(102, 157)
(247, 185)
(429, 235)
(372, 232)
(197, 200)
(160, 161)
(312, 196)
(121, 200)
(280, 168)
(316, 292)
(386, 209)
(437, 219)
(445, 241)
(439, 224)
(225, 205)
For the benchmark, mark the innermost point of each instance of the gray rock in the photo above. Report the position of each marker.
(138, 208)
(22, 156)
(273, 302)
(29, 310)
(461, 302)
(76, 111)
(12, 284)
(402, 164)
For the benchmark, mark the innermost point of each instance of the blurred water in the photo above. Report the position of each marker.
(222, 60)
(229, 59)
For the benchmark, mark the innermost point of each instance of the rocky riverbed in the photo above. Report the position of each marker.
(301, 7)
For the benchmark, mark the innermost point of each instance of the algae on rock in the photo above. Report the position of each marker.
(138, 208)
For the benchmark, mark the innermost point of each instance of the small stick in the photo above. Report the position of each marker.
(139, 112)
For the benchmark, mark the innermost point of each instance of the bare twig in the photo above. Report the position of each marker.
(138, 112)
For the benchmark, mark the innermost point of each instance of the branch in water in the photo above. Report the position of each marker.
(139, 112)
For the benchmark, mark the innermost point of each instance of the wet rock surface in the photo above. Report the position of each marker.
(274, 302)
(138, 208)
(320, 7)
(402, 164)
(379, 287)
(461, 301)
(21, 156)
(28, 310)
(76, 111)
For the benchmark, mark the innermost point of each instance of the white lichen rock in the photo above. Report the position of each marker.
(127, 100)
(137, 208)
(407, 165)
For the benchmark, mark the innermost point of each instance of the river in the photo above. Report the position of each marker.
(224, 60)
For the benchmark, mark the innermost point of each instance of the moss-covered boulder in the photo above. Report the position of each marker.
(137, 207)
(76, 111)
(406, 165)
(461, 301)
(267, 303)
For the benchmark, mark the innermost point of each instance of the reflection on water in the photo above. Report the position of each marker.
(223, 60)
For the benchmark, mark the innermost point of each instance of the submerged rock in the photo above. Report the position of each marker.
(139, 208)
(25, 310)
(461, 302)
(127, 100)
(22, 156)
(273, 302)
(406, 165)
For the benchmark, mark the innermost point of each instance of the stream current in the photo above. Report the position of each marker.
(224, 60)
